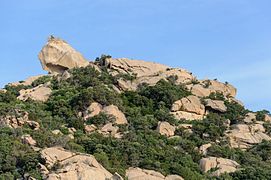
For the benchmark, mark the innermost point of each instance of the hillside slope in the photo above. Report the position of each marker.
(127, 119)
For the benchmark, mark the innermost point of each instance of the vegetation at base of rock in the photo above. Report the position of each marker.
(141, 146)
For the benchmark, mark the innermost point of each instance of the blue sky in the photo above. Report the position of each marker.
(225, 39)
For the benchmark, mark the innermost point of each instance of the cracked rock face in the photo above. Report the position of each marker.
(188, 108)
(138, 67)
(223, 165)
(144, 72)
(190, 104)
(57, 56)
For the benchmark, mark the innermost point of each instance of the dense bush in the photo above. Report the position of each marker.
(212, 127)
(235, 112)
(164, 93)
(16, 158)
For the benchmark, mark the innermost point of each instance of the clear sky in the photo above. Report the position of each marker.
(225, 39)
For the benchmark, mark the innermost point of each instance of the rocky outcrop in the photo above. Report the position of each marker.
(186, 127)
(114, 111)
(18, 119)
(109, 129)
(250, 117)
(39, 93)
(199, 90)
(206, 87)
(57, 56)
(203, 149)
(90, 128)
(57, 132)
(72, 165)
(244, 136)
(222, 165)
(26, 82)
(143, 72)
(134, 67)
(226, 89)
(164, 128)
(27, 139)
(138, 174)
(216, 105)
(93, 110)
(182, 115)
(191, 104)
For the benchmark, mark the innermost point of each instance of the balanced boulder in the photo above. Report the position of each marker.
(57, 56)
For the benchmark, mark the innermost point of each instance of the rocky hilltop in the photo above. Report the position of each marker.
(127, 119)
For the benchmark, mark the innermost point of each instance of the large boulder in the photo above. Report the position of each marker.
(244, 136)
(164, 128)
(216, 105)
(220, 164)
(114, 111)
(191, 104)
(143, 174)
(72, 165)
(57, 56)
(39, 93)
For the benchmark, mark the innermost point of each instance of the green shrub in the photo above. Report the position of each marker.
(165, 92)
